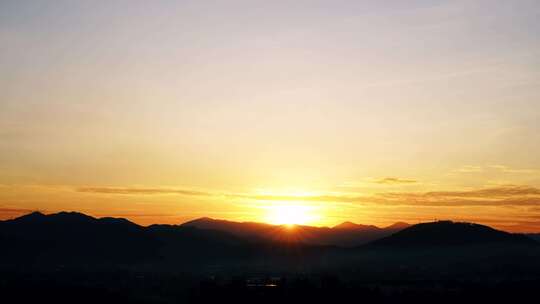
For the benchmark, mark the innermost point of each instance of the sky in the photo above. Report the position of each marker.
(323, 111)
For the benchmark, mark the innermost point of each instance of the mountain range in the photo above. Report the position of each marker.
(77, 240)
(346, 234)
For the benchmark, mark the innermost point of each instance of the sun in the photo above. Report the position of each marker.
(290, 214)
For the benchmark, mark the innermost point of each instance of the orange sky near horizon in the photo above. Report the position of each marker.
(315, 112)
(510, 208)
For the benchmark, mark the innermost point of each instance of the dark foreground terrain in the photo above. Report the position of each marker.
(74, 258)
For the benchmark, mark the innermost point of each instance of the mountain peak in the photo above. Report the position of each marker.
(346, 225)
(205, 219)
(30, 217)
(71, 216)
(398, 225)
(34, 214)
(200, 221)
(351, 225)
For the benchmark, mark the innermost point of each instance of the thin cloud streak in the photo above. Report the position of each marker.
(7, 213)
(394, 180)
(261, 197)
(494, 168)
(14, 210)
(496, 196)
(142, 191)
(492, 193)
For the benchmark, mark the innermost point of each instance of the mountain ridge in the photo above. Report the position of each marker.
(77, 239)
(346, 234)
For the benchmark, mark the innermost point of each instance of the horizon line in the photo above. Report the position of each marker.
(45, 213)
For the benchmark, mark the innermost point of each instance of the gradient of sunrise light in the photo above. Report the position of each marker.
(305, 112)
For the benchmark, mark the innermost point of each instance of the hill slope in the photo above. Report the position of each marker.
(448, 233)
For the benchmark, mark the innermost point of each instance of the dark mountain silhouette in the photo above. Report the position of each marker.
(448, 233)
(453, 249)
(347, 234)
(236, 228)
(70, 238)
(71, 257)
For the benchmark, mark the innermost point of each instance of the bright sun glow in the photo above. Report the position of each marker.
(290, 215)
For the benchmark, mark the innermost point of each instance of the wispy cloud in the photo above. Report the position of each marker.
(142, 191)
(494, 192)
(506, 169)
(495, 169)
(261, 197)
(496, 196)
(9, 213)
(394, 181)
(370, 182)
(14, 210)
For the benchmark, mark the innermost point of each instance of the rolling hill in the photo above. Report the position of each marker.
(448, 233)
